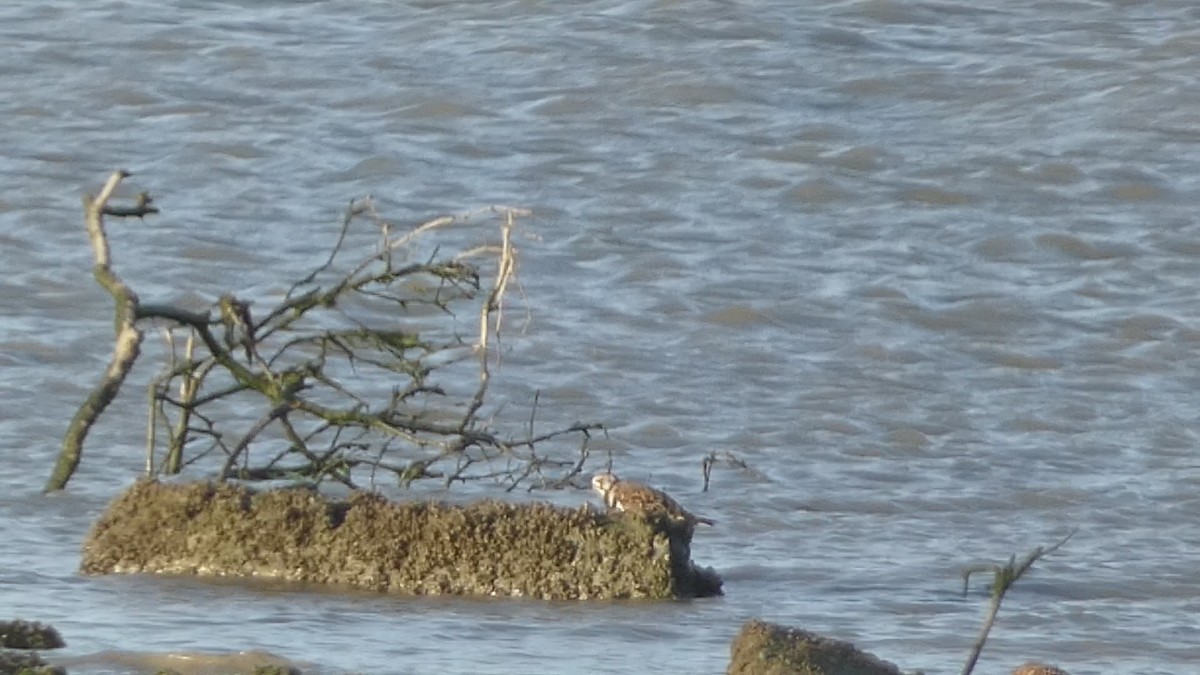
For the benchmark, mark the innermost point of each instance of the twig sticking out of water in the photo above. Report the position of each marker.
(1004, 577)
(712, 458)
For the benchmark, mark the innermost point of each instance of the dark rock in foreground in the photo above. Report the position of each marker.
(768, 649)
(26, 663)
(29, 635)
(424, 548)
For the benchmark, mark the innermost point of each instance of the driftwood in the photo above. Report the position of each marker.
(129, 337)
(352, 372)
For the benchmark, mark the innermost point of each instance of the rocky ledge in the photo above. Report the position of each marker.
(488, 548)
(763, 648)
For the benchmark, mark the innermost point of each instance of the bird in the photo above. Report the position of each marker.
(239, 327)
(641, 499)
(1038, 669)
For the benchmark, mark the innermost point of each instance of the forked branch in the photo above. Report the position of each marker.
(358, 365)
(1004, 576)
(128, 336)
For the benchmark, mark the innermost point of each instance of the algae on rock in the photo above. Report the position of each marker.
(27, 636)
(487, 548)
(763, 648)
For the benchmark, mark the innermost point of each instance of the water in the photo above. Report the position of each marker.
(929, 269)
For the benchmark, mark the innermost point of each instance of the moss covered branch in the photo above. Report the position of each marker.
(128, 336)
(362, 363)
(1003, 578)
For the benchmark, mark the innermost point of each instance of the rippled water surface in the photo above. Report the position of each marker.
(930, 269)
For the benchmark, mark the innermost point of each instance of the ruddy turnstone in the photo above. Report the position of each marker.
(640, 499)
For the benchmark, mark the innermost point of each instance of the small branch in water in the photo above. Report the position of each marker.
(1005, 577)
(711, 459)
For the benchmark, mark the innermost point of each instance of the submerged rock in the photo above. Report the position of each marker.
(423, 548)
(1034, 668)
(256, 662)
(763, 648)
(26, 663)
(29, 635)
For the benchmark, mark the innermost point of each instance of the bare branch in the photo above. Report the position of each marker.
(1004, 578)
(351, 363)
(127, 344)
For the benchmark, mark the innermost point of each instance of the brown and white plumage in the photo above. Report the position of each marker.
(641, 499)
